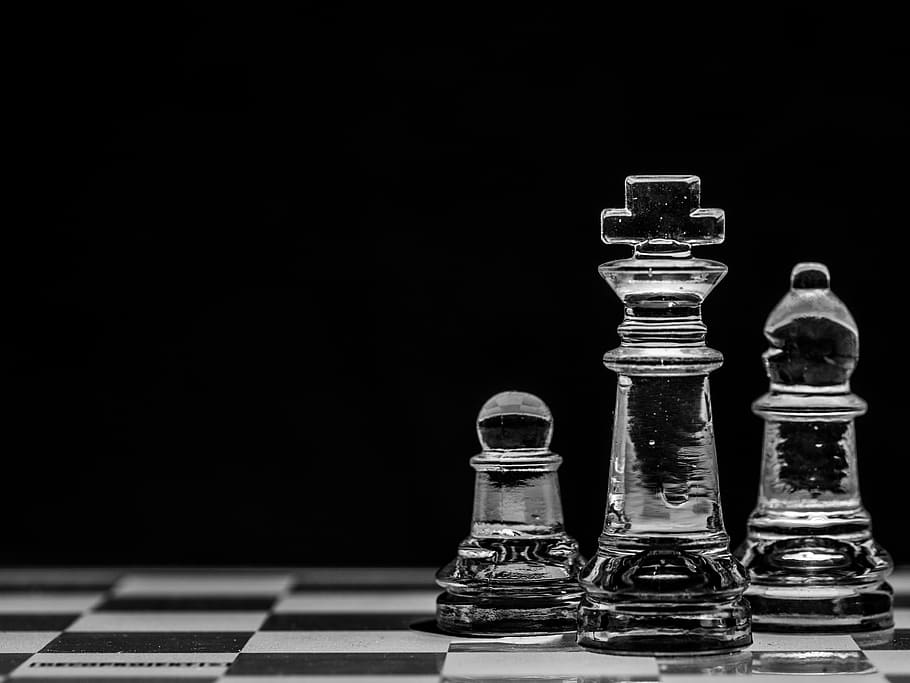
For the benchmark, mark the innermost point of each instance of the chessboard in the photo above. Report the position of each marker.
(252, 626)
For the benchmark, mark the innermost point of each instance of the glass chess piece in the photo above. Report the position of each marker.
(811, 558)
(516, 573)
(663, 580)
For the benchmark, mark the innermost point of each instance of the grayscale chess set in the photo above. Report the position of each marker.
(663, 580)
(663, 596)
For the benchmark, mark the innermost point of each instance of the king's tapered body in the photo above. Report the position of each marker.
(663, 579)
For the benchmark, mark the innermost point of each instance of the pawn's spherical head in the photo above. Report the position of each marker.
(515, 421)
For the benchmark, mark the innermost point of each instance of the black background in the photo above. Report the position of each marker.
(262, 268)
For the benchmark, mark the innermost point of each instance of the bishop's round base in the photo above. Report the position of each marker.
(821, 609)
(663, 629)
(476, 615)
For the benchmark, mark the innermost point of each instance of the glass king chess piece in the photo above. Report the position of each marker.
(663, 580)
(516, 573)
(811, 558)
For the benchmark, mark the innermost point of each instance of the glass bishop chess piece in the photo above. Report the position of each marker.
(663, 580)
(516, 572)
(811, 558)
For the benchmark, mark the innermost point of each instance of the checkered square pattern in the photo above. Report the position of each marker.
(254, 626)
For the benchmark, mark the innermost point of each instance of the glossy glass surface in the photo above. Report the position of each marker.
(516, 572)
(663, 580)
(810, 554)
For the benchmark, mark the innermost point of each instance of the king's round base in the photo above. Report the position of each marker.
(663, 629)
(476, 615)
(821, 609)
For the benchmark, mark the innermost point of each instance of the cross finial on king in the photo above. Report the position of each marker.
(662, 216)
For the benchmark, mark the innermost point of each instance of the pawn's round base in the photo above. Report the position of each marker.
(663, 629)
(477, 615)
(821, 609)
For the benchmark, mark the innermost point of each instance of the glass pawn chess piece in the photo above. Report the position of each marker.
(811, 558)
(663, 580)
(516, 572)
